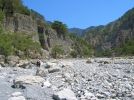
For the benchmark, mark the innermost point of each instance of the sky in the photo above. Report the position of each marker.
(81, 13)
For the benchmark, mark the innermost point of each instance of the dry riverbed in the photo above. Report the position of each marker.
(70, 79)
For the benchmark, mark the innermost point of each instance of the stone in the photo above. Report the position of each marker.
(89, 96)
(29, 79)
(2, 58)
(67, 77)
(13, 60)
(54, 69)
(24, 64)
(45, 65)
(41, 72)
(89, 61)
(47, 84)
(51, 64)
(100, 96)
(17, 98)
(65, 94)
(16, 94)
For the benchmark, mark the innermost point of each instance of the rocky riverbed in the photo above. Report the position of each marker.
(68, 79)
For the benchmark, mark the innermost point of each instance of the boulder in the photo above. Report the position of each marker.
(51, 64)
(24, 64)
(45, 65)
(47, 84)
(29, 79)
(65, 94)
(2, 58)
(41, 72)
(17, 96)
(13, 60)
(89, 60)
(67, 76)
(54, 69)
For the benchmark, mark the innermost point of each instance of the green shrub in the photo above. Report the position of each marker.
(81, 48)
(73, 54)
(56, 51)
(9, 43)
(6, 47)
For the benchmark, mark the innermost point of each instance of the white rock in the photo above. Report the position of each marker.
(17, 98)
(41, 72)
(16, 94)
(29, 79)
(65, 94)
(51, 64)
(47, 84)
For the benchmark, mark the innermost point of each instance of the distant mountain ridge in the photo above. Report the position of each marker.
(113, 35)
(76, 31)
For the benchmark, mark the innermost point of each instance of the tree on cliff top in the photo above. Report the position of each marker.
(60, 28)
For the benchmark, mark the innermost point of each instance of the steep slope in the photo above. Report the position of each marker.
(113, 35)
(77, 31)
(17, 19)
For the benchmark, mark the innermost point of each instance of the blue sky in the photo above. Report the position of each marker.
(81, 13)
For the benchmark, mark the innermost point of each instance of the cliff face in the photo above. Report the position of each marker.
(37, 29)
(20, 23)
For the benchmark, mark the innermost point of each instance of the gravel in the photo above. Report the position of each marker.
(96, 80)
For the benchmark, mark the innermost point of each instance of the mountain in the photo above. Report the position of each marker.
(77, 31)
(29, 35)
(113, 35)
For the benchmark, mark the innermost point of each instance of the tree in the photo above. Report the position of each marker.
(60, 28)
(57, 50)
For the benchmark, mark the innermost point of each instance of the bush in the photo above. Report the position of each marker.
(10, 43)
(81, 48)
(6, 47)
(74, 54)
(56, 51)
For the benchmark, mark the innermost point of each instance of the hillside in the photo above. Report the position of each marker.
(77, 31)
(51, 39)
(113, 36)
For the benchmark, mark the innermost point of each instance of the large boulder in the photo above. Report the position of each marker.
(54, 69)
(13, 60)
(29, 79)
(17, 96)
(47, 84)
(65, 94)
(23, 64)
(41, 72)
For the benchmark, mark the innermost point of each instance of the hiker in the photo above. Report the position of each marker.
(38, 63)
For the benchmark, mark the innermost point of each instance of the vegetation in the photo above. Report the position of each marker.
(56, 51)
(81, 48)
(126, 49)
(11, 43)
(60, 28)
(11, 6)
(122, 28)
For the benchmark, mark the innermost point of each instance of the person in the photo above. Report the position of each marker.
(38, 63)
